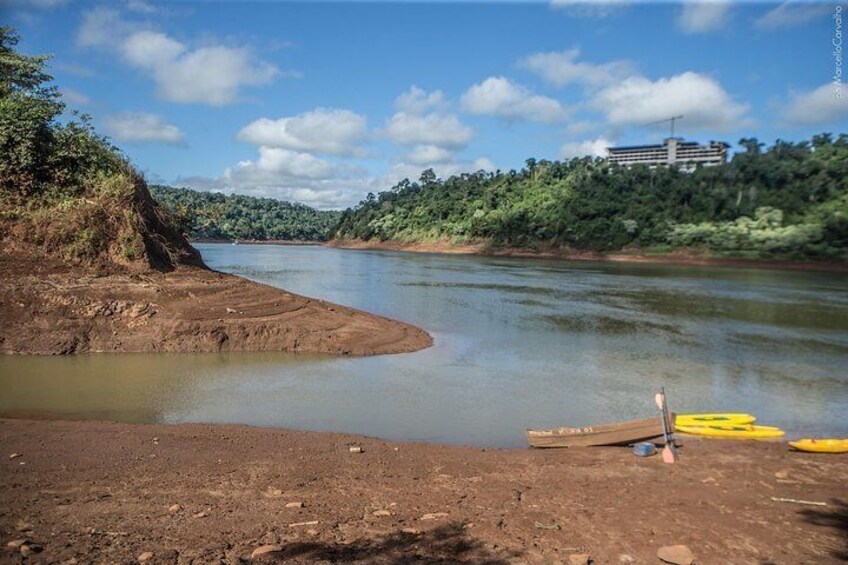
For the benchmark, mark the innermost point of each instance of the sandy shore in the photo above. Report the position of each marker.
(50, 309)
(107, 493)
(635, 256)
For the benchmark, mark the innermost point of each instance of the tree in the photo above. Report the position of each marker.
(28, 108)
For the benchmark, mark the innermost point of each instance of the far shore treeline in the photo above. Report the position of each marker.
(789, 200)
(213, 215)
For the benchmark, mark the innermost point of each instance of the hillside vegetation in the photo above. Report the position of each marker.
(212, 215)
(787, 201)
(65, 191)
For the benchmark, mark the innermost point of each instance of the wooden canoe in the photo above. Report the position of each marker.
(620, 433)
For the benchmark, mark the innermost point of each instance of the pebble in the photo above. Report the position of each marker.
(355, 449)
(624, 558)
(174, 508)
(202, 514)
(381, 513)
(782, 474)
(15, 544)
(27, 550)
(412, 531)
(676, 555)
(264, 549)
(579, 559)
(23, 527)
(16, 455)
(146, 556)
(434, 515)
(312, 532)
(295, 505)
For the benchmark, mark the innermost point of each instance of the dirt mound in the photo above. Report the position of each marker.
(111, 225)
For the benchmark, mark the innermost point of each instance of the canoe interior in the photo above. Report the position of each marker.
(621, 433)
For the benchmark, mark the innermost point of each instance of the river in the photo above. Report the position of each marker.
(518, 343)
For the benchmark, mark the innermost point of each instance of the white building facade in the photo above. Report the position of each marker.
(673, 151)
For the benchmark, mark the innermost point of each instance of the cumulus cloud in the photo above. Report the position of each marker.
(207, 75)
(442, 130)
(816, 107)
(561, 68)
(701, 16)
(323, 130)
(701, 99)
(498, 96)
(275, 164)
(416, 100)
(140, 126)
(212, 74)
(428, 154)
(590, 147)
(791, 14)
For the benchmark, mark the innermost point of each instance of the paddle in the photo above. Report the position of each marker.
(669, 452)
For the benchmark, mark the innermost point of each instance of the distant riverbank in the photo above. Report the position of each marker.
(259, 241)
(679, 257)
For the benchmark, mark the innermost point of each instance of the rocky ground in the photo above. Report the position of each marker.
(95, 492)
(49, 308)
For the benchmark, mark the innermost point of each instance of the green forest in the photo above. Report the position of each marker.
(789, 200)
(213, 215)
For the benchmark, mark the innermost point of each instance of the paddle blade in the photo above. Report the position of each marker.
(669, 454)
(658, 398)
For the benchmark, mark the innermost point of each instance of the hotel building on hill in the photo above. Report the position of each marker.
(673, 151)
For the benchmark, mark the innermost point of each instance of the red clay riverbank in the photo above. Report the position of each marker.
(635, 256)
(49, 308)
(103, 492)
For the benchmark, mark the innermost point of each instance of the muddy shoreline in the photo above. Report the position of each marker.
(636, 256)
(107, 493)
(48, 308)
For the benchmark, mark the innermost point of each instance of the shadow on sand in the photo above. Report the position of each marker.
(446, 544)
(836, 518)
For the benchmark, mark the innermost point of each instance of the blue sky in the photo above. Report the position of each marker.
(322, 102)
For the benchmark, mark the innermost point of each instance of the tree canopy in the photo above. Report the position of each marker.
(213, 215)
(789, 200)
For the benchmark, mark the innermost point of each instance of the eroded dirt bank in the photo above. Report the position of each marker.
(47, 308)
(634, 256)
(108, 493)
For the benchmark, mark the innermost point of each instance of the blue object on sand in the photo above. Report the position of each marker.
(644, 449)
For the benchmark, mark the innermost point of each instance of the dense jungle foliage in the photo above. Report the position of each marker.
(212, 215)
(64, 189)
(789, 200)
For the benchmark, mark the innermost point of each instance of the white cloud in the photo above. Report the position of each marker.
(699, 16)
(816, 107)
(206, 75)
(416, 101)
(140, 126)
(442, 130)
(74, 97)
(103, 27)
(590, 147)
(791, 14)
(561, 68)
(701, 99)
(323, 130)
(590, 8)
(427, 154)
(212, 74)
(275, 163)
(497, 96)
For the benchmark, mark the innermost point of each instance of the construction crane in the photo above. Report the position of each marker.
(671, 119)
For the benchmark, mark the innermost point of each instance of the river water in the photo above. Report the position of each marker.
(518, 343)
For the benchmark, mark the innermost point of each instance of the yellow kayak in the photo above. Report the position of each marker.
(821, 445)
(731, 431)
(732, 419)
